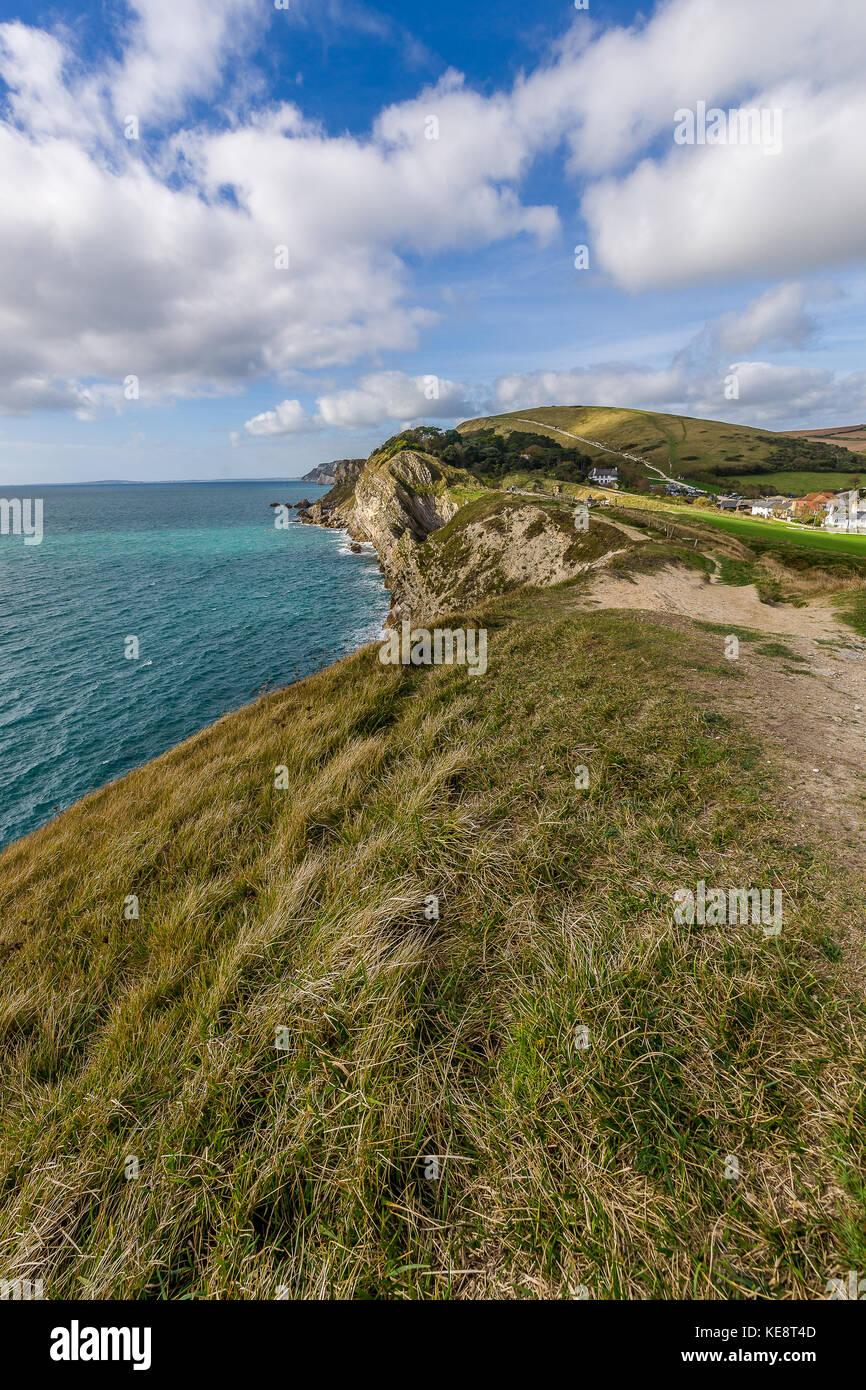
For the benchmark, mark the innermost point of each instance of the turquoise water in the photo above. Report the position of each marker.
(223, 604)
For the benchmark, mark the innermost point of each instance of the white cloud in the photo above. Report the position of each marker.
(615, 384)
(177, 50)
(724, 212)
(695, 382)
(157, 257)
(378, 397)
(776, 395)
(384, 396)
(120, 256)
(288, 418)
(777, 318)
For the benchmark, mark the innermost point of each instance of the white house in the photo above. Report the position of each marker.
(846, 512)
(769, 506)
(605, 474)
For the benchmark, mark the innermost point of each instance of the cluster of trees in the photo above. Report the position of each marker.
(803, 455)
(490, 455)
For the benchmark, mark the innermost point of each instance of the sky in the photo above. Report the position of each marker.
(242, 237)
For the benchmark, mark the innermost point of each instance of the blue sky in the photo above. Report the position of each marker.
(336, 218)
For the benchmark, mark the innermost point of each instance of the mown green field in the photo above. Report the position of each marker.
(776, 533)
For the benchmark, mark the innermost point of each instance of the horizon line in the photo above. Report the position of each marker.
(158, 482)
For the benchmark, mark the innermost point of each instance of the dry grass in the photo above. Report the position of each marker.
(407, 1038)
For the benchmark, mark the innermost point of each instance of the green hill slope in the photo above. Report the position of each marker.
(340, 1049)
(678, 445)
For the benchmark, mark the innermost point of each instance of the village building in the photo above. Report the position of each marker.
(812, 504)
(846, 511)
(771, 506)
(605, 474)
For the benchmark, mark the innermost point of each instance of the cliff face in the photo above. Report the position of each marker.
(498, 544)
(331, 473)
(395, 504)
(444, 541)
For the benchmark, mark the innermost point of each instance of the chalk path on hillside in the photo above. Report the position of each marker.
(596, 444)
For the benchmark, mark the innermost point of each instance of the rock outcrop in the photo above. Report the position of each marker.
(331, 473)
(394, 503)
(445, 541)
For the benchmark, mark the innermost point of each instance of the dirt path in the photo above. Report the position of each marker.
(690, 594)
(631, 531)
(807, 708)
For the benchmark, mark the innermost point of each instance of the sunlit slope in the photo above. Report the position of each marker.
(339, 1049)
(679, 445)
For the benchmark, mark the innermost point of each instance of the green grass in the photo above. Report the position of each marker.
(655, 555)
(742, 572)
(779, 535)
(411, 1036)
(780, 649)
(798, 484)
(745, 634)
(852, 610)
(679, 445)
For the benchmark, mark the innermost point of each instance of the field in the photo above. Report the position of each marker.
(851, 437)
(777, 533)
(798, 484)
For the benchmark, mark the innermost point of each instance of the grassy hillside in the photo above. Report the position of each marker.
(434, 1126)
(677, 444)
(798, 484)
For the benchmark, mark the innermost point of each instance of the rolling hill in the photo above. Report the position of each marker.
(679, 446)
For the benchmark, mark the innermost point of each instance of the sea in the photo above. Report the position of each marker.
(222, 603)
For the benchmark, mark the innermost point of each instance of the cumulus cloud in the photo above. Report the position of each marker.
(727, 212)
(174, 51)
(204, 258)
(704, 379)
(377, 398)
(208, 259)
(288, 418)
(697, 380)
(611, 383)
(385, 396)
(778, 318)
(772, 395)
(684, 214)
